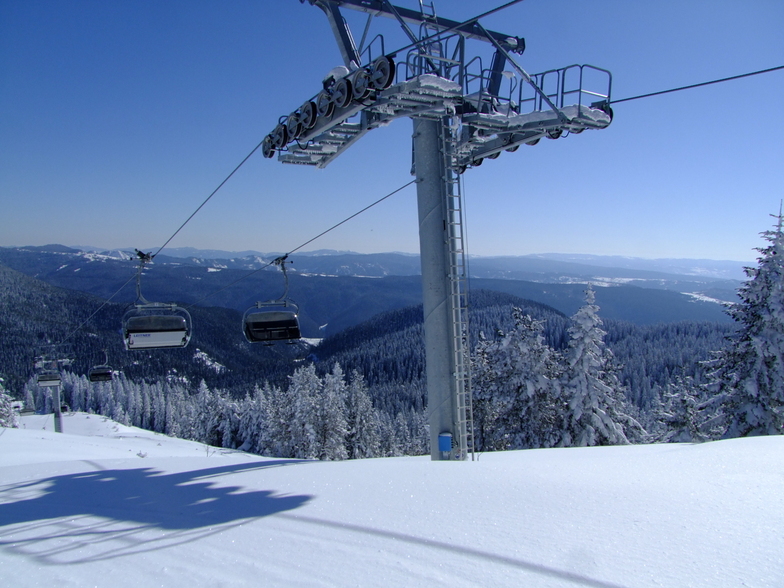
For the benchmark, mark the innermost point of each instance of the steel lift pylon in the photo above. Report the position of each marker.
(48, 366)
(463, 113)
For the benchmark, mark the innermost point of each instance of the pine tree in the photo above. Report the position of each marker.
(362, 435)
(253, 421)
(303, 391)
(748, 374)
(29, 402)
(590, 386)
(278, 437)
(330, 422)
(7, 412)
(207, 426)
(516, 395)
(679, 412)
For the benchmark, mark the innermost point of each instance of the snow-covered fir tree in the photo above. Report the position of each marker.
(748, 374)
(516, 389)
(596, 408)
(362, 426)
(7, 412)
(330, 417)
(278, 436)
(679, 413)
(253, 421)
(304, 391)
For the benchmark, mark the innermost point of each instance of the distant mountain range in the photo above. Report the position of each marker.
(408, 263)
(336, 290)
(385, 346)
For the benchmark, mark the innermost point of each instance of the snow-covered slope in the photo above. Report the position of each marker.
(108, 505)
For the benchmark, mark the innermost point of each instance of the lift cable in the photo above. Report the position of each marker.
(456, 27)
(285, 255)
(248, 156)
(105, 302)
(754, 73)
(226, 179)
(108, 300)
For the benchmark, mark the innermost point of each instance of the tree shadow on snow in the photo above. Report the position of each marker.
(180, 506)
(184, 500)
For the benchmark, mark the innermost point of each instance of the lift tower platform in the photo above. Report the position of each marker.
(463, 113)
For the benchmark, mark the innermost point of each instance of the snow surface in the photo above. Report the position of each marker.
(84, 508)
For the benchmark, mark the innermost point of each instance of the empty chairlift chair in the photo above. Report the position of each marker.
(275, 320)
(101, 373)
(268, 322)
(154, 325)
(49, 379)
(48, 366)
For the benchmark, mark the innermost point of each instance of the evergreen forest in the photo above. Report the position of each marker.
(540, 378)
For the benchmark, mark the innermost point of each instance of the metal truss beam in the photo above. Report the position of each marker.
(469, 29)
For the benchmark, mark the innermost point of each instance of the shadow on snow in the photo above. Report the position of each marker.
(184, 500)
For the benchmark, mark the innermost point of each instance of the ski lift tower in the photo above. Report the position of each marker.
(48, 365)
(463, 113)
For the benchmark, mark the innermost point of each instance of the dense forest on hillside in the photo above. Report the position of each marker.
(387, 349)
(386, 353)
(328, 304)
(35, 315)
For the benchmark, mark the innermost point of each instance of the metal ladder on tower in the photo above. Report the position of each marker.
(458, 296)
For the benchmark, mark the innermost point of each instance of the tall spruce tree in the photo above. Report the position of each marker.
(596, 413)
(678, 412)
(362, 438)
(7, 412)
(330, 418)
(748, 374)
(516, 396)
(304, 390)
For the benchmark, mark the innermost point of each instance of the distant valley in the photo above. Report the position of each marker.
(336, 290)
(372, 324)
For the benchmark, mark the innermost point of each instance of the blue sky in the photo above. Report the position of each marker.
(117, 119)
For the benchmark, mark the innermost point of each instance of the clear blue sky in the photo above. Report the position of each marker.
(118, 118)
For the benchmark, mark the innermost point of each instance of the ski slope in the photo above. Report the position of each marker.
(111, 506)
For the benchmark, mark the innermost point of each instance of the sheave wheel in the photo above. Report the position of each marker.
(308, 115)
(360, 84)
(341, 93)
(382, 72)
(280, 136)
(324, 105)
(293, 126)
(267, 149)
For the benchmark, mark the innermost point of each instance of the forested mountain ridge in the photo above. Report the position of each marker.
(389, 350)
(328, 304)
(321, 261)
(34, 315)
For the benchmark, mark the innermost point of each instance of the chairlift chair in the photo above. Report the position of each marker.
(101, 373)
(154, 325)
(48, 366)
(268, 322)
(49, 379)
(274, 320)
